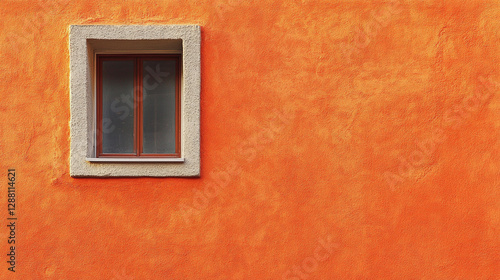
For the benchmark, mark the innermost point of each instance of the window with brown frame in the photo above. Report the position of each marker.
(138, 105)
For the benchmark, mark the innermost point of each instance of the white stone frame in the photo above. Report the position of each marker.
(83, 162)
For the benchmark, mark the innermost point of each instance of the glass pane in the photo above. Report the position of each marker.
(118, 107)
(159, 106)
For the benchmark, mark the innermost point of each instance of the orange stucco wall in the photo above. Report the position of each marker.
(340, 140)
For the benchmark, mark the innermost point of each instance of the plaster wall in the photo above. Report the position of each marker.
(339, 140)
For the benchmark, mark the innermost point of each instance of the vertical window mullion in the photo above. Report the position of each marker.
(135, 107)
(138, 105)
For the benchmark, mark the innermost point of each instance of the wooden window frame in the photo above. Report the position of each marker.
(138, 103)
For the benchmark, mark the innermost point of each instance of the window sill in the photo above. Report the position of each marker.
(179, 160)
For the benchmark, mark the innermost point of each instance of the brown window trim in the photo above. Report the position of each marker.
(138, 98)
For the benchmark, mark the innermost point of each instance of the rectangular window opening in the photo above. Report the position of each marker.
(138, 106)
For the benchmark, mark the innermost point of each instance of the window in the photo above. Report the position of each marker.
(138, 111)
(134, 100)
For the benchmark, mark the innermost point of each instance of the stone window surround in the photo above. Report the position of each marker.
(84, 42)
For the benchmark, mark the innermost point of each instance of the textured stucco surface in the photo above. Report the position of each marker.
(81, 51)
(314, 118)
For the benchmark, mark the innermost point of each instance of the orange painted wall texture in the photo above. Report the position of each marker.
(340, 140)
